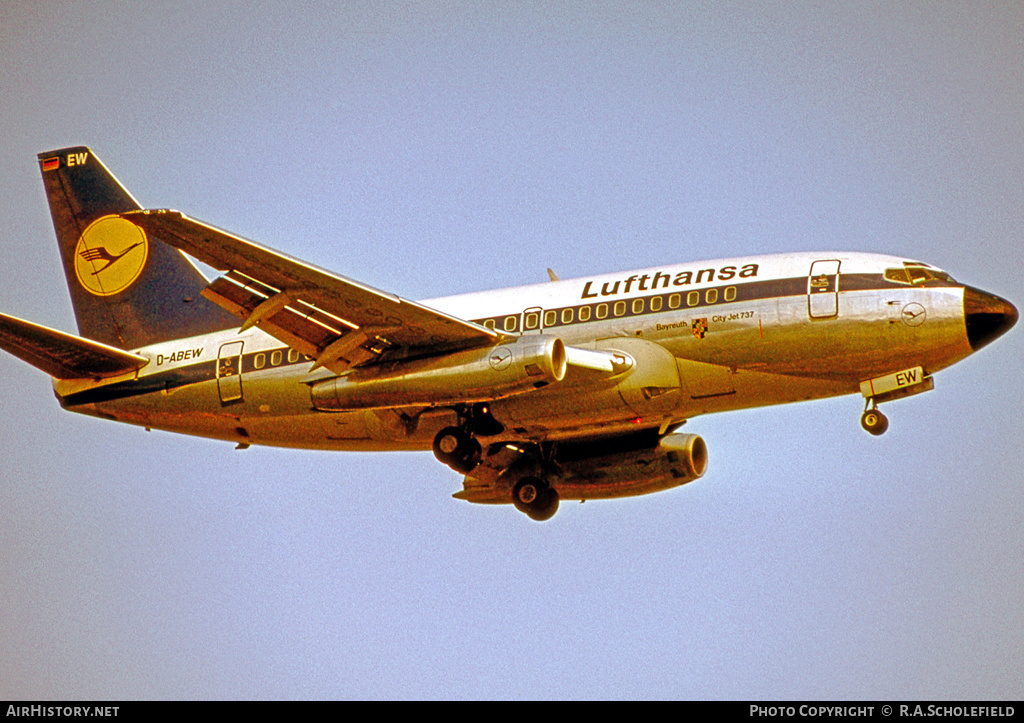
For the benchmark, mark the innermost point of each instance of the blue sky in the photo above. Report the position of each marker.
(435, 148)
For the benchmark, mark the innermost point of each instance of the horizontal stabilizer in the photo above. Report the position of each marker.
(64, 356)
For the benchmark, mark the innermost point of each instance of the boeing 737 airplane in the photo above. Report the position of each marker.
(567, 389)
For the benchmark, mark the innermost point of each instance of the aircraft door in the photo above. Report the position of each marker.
(533, 320)
(823, 289)
(229, 372)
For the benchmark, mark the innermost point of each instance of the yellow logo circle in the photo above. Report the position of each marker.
(110, 255)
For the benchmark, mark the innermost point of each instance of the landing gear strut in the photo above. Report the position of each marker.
(874, 421)
(536, 498)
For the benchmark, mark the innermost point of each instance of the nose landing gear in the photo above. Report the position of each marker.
(874, 421)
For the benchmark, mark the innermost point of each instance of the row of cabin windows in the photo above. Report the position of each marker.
(652, 304)
(277, 358)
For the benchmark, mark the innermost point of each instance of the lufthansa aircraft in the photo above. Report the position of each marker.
(569, 389)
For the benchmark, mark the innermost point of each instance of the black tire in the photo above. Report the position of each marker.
(546, 508)
(526, 492)
(535, 498)
(448, 443)
(469, 457)
(874, 422)
(458, 450)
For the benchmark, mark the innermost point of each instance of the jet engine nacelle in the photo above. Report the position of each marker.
(604, 468)
(637, 469)
(473, 375)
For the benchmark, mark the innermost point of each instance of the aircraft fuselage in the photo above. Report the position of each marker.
(706, 337)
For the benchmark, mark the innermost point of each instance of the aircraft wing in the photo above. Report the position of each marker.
(64, 356)
(338, 322)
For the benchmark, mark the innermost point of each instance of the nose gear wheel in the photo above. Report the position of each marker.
(874, 421)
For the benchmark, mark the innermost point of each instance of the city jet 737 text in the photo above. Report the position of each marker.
(567, 389)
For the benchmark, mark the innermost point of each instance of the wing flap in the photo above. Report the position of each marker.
(329, 339)
(62, 355)
(309, 308)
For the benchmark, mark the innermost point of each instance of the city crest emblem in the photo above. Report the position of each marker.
(700, 327)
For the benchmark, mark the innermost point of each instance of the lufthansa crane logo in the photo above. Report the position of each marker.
(500, 358)
(110, 255)
(913, 314)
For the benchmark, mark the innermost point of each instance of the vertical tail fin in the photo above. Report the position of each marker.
(128, 288)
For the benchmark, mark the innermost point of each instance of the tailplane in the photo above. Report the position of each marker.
(128, 288)
(64, 356)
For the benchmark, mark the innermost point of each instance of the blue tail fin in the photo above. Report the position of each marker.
(128, 288)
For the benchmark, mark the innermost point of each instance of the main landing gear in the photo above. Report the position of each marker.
(536, 498)
(874, 421)
(457, 446)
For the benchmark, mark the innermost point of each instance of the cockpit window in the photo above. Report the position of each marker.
(918, 275)
(915, 274)
(900, 276)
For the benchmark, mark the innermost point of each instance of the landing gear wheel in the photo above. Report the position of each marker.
(526, 492)
(455, 448)
(470, 457)
(535, 498)
(874, 422)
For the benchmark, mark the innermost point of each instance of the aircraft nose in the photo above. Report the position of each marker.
(986, 316)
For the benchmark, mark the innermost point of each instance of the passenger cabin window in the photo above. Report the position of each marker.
(584, 313)
(531, 320)
(510, 323)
